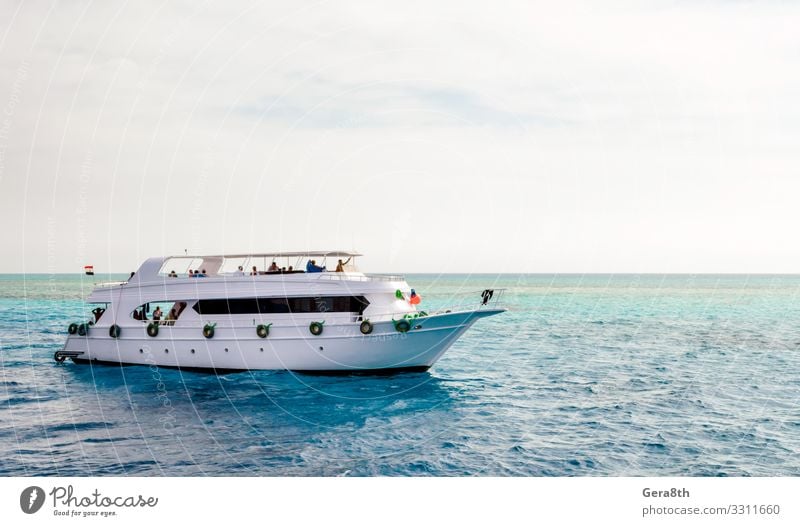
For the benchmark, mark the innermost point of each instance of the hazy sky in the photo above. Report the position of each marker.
(432, 136)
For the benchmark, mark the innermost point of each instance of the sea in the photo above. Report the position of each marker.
(584, 375)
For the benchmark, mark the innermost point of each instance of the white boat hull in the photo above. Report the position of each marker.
(340, 348)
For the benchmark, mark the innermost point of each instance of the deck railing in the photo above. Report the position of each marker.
(486, 299)
(476, 299)
(328, 275)
(344, 276)
(480, 300)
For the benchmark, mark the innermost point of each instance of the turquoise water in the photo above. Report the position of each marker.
(585, 375)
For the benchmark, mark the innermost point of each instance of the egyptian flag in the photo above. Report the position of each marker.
(89, 270)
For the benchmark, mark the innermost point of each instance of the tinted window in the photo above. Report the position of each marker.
(282, 305)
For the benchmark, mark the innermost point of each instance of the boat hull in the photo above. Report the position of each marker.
(341, 348)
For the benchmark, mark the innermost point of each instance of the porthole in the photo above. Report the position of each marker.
(192, 351)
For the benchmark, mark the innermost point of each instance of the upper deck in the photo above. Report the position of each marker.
(221, 275)
(232, 265)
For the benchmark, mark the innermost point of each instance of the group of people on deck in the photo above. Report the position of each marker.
(192, 274)
(311, 267)
(141, 313)
(273, 269)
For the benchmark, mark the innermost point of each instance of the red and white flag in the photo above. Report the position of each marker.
(89, 269)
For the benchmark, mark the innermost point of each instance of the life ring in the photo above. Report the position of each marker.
(73, 328)
(316, 327)
(58, 357)
(263, 330)
(152, 329)
(208, 330)
(114, 331)
(366, 327)
(402, 326)
(83, 329)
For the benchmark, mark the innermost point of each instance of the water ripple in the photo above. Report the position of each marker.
(585, 375)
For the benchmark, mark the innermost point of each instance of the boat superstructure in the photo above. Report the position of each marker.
(243, 312)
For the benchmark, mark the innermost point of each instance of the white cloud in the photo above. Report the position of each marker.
(565, 137)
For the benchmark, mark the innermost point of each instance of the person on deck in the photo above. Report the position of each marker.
(254, 272)
(340, 265)
(273, 268)
(311, 266)
(157, 314)
(415, 298)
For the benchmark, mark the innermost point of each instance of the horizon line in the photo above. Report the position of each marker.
(538, 273)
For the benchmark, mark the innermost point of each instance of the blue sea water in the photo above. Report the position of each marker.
(584, 375)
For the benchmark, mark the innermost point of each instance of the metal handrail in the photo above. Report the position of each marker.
(485, 301)
(109, 284)
(493, 302)
(328, 275)
(344, 276)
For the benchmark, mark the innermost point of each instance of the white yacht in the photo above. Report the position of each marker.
(243, 312)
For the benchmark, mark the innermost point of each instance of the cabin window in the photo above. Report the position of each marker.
(281, 305)
(98, 310)
(168, 312)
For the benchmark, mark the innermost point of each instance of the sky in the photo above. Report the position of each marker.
(431, 136)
